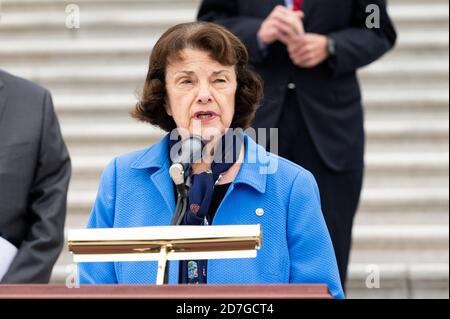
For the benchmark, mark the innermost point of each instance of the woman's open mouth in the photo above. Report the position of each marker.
(205, 116)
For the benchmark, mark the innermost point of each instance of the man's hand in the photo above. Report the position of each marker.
(308, 50)
(281, 25)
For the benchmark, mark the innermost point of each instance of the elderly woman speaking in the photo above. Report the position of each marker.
(199, 82)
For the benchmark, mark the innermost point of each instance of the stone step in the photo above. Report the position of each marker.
(404, 169)
(390, 237)
(419, 43)
(407, 243)
(417, 12)
(412, 198)
(398, 218)
(407, 129)
(99, 23)
(104, 20)
(418, 145)
(29, 5)
(103, 50)
(424, 15)
(401, 253)
(396, 55)
(421, 103)
(64, 52)
(408, 71)
(399, 281)
(406, 136)
(412, 2)
(34, 4)
(56, 5)
(410, 164)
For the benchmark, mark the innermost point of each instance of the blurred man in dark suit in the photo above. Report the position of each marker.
(312, 93)
(34, 176)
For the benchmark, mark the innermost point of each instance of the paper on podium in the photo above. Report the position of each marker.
(7, 254)
(182, 243)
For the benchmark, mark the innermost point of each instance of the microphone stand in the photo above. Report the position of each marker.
(180, 211)
(192, 150)
(181, 207)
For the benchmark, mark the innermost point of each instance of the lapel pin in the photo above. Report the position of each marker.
(259, 212)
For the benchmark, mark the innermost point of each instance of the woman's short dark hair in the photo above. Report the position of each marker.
(222, 46)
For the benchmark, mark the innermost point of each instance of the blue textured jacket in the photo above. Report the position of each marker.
(136, 190)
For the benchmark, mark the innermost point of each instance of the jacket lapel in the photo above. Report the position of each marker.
(163, 183)
(156, 160)
(254, 169)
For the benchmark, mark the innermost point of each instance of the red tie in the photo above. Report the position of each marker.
(297, 4)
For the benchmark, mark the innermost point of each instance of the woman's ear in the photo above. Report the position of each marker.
(167, 108)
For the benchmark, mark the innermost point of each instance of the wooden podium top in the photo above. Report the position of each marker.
(165, 292)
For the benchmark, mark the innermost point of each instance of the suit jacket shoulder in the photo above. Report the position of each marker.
(16, 86)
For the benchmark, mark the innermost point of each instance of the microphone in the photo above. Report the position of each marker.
(190, 151)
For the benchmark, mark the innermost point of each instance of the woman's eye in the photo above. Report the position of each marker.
(186, 82)
(220, 81)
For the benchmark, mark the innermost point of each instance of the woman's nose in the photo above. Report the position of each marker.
(204, 95)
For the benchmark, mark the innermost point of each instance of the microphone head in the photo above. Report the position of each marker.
(183, 155)
(190, 151)
(176, 172)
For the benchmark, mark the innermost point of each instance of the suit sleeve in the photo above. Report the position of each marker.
(102, 216)
(310, 247)
(226, 13)
(47, 206)
(358, 45)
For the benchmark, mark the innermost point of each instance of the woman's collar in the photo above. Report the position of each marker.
(253, 171)
(156, 156)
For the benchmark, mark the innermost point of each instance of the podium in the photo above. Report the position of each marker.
(163, 243)
(260, 292)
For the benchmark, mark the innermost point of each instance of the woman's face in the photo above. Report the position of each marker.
(200, 93)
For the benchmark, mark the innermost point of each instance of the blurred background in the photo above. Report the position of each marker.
(96, 69)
